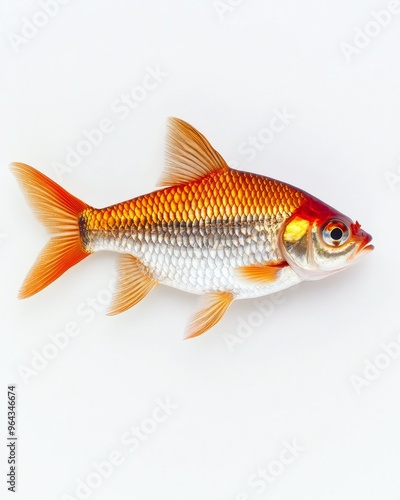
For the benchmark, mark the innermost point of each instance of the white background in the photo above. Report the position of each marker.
(291, 378)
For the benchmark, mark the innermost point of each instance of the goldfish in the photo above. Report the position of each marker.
(208, 229)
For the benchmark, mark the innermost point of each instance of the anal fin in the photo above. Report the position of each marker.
(207, 317)
(134, 283)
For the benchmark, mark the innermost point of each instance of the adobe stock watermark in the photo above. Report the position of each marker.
(224, 8)
(250, 147)
(268, 474)
(130, 442)
(30, 27)
(373, 369)
(262, 310)
(87, 311)
(373, 28)
(120, 109)
(393, 178)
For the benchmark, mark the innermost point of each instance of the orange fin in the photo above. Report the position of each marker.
(262, 274)
(204, 319)
(59, 211)
(189, 156)
(134, 283)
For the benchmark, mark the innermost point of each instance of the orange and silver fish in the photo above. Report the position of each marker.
(209, 229)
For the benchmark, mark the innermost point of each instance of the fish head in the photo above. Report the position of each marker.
(317, 240)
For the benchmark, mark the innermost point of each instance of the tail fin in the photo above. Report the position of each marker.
(59, 211)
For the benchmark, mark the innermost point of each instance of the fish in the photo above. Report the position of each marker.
(208, 229)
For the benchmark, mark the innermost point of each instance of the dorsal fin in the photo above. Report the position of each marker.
(189, 156)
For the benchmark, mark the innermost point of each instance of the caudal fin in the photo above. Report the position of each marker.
(59, 211)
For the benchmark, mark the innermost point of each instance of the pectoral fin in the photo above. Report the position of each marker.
(207, 317)
(134, 283)
(262, 274)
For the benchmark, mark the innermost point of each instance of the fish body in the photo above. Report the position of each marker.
(209, 229)
(195, 236)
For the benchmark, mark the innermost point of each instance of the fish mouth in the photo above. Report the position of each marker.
(365, 246)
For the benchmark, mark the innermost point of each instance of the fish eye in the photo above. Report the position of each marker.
(335, 233)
